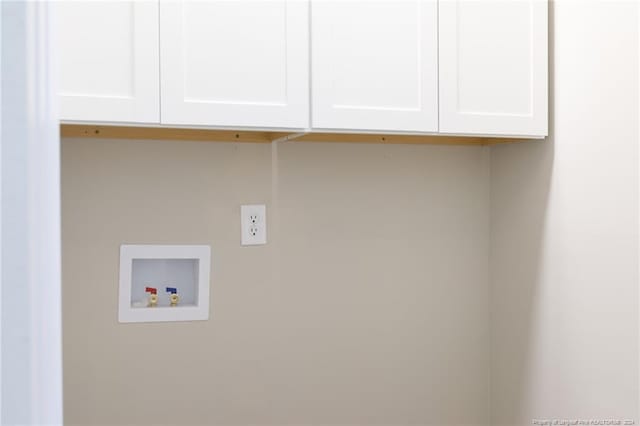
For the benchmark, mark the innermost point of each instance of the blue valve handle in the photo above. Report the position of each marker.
(172, 290)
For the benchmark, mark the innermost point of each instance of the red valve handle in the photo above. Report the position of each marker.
(151, 290)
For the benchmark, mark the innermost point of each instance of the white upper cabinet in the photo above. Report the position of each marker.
(235, 63)
(493, 67)
(108, 57)
(375, 65)
(474, 67)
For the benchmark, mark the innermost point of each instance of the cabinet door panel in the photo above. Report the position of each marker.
(375, 65)
(235, 63)
(493, 67)
(108, 60)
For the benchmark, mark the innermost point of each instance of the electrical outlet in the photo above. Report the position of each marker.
(253, 224)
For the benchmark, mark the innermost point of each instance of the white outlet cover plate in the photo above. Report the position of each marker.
(253, 232)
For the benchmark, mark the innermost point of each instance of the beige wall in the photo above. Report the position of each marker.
(369, 305)
(564, 233)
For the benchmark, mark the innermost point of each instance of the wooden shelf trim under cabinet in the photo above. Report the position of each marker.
(217, 135)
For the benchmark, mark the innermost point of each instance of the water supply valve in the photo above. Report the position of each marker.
(173, 298)
(153, 296)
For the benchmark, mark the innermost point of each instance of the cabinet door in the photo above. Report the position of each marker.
(241, 63)
(375, 65)
(108, 60)
(493, 67)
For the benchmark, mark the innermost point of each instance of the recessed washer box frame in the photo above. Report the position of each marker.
(161, 266)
